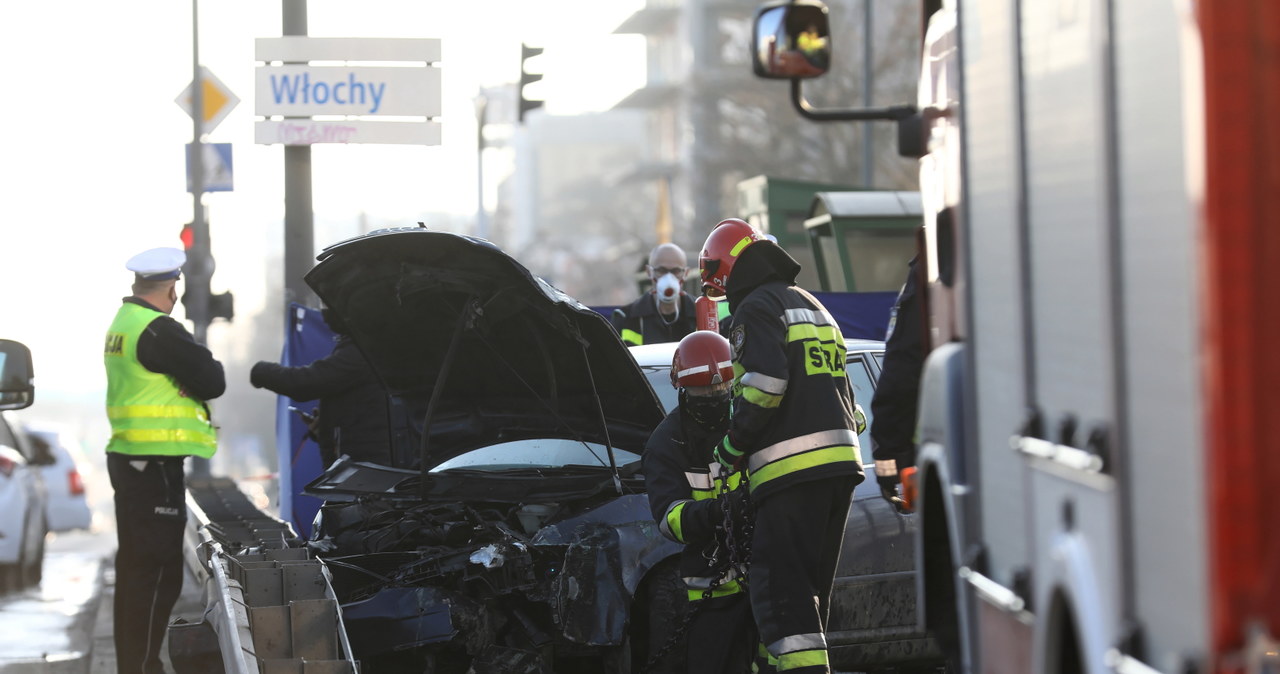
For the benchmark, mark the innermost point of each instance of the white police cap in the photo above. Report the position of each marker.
(157, 264)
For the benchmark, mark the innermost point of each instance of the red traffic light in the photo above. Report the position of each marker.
(188, 237)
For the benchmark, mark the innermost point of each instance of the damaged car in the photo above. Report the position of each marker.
(511, 532)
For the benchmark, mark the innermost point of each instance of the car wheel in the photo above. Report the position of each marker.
(10, 578)
(665, 606)
(33, 569)
(618, 659)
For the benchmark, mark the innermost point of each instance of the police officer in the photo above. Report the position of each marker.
(158, 379)
(895, 403)
(794, 428)
(693, 497)
(665, 313)
(353, 412)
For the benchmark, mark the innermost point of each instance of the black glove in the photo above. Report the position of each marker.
(889, 492)
(258, 372)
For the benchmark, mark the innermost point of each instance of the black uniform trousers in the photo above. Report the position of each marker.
(151, 514)
(722, 637)
(798, 534)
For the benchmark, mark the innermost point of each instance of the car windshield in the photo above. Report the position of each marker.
(659, 377)
(540, 453)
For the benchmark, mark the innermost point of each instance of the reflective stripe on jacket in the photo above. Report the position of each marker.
(793, 408)
(149, 413)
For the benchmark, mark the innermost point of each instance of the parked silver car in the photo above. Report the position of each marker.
(22, 491)
(62, 463)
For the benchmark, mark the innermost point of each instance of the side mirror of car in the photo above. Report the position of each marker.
(41, 452)
(17, 388)
(791, 40)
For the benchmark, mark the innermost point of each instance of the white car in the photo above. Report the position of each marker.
(22, 516)
(62, 462)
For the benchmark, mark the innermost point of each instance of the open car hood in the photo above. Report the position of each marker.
(527, 360)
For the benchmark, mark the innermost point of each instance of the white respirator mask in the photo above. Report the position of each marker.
(667, 287)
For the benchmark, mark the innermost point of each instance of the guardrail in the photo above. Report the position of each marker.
(270, 606)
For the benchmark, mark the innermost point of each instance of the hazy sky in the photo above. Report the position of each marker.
(92, 169)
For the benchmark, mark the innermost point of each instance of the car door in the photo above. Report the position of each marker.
(21, 498)
(872, 621)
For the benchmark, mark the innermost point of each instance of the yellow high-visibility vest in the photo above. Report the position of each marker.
(149, 413)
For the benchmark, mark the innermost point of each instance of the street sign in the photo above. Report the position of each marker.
(217, 167)
(304, 91)
(217, 99)
(300, 78)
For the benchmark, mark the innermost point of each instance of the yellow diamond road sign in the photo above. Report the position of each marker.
(217, 99)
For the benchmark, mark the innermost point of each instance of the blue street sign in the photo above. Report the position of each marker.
(217, 167)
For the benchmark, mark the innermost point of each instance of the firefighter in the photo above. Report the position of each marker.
(795, 430)
(158, 379)
(894, 405)
(664, 313)
(695, 500)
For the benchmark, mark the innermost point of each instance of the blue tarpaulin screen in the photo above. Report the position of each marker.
(859, 315)
(307, 339)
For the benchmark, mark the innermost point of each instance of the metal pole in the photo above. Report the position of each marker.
(299, 237)
(198, 269)
(482, 225)
(868, 153)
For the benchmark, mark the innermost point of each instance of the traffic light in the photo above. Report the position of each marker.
(220, 306)
(526, 77)
(202, 306)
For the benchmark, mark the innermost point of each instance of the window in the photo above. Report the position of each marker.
(863, 388)
(6, 436)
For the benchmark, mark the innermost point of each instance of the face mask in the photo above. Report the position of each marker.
(667, 288)
(710, 412)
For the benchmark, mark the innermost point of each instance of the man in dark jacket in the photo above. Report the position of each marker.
(896, 400)
(352, 414)
(795, 428)
(665, 313)
(693, 498)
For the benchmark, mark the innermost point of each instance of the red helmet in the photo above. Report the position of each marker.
(727, 241)
(703, 358)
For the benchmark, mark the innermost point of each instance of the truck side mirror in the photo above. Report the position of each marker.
(791, 40)
(16, 387)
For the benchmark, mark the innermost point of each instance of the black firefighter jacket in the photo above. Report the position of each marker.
(895, 403)
(793, 408)
(683, 479)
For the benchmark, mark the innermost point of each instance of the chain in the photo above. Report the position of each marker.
(739, 552)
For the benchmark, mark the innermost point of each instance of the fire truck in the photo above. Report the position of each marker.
(1099, 418)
